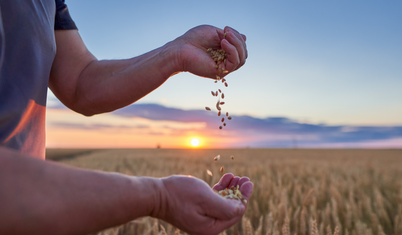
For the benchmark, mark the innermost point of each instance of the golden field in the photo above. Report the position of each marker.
(296, 191)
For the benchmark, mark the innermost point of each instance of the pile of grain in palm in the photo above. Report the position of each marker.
(232, 193)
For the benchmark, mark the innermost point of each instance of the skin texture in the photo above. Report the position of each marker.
(41, 197)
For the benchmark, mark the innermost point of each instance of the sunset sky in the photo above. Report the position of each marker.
(319, 74)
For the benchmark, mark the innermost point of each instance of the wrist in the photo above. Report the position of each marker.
(171, 57)
(147, 197)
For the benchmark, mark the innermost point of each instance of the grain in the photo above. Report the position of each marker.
(232, 193)
(217, 158)
(282, 180)
(221, 169)
(207, 108)
(217, 106)
(209, 173)
(219, 56)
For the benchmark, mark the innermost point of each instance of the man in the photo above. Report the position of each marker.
(39, 197)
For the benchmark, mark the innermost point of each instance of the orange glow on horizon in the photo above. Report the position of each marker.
(111, 131)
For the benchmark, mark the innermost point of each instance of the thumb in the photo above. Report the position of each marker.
(224, 209)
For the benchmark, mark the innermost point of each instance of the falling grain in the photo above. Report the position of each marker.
(209, 173)
(217, 158)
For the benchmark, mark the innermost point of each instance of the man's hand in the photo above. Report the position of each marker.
(192, 55)
(89, 86)
(192, 206)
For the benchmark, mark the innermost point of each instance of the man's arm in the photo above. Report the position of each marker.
(89, 86)
(40, 197)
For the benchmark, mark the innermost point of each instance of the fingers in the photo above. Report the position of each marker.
(234, 182)
(228, 180)
(246, 189)
(232, 60)
(223, 182)
(237, 54)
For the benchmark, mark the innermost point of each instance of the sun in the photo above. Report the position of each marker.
(195, 142)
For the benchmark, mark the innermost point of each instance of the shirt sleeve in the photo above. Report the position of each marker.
(63, 19)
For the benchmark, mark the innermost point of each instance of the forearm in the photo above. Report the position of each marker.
(39, 197)
(107, 85)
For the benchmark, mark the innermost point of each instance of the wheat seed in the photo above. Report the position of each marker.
(217, 106)
(209, 173)
(221, 169)
(207, 108)
(217, 158)
(232, 193)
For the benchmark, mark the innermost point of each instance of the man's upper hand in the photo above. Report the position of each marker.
(192, 47)
(191, 205)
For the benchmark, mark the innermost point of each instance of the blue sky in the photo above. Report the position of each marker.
(337, 63)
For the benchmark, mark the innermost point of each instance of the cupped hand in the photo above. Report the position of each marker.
(192, 50)
(228, 180)
(192, 206)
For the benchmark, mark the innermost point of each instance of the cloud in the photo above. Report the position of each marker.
(271, 131)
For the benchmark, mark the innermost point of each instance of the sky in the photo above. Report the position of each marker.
(319, 74)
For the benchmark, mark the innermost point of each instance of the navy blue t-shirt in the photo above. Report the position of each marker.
(27, 50)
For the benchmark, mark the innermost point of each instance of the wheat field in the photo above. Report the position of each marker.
(296, 191)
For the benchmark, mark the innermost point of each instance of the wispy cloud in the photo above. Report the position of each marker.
(272, 131)
(241, 131)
